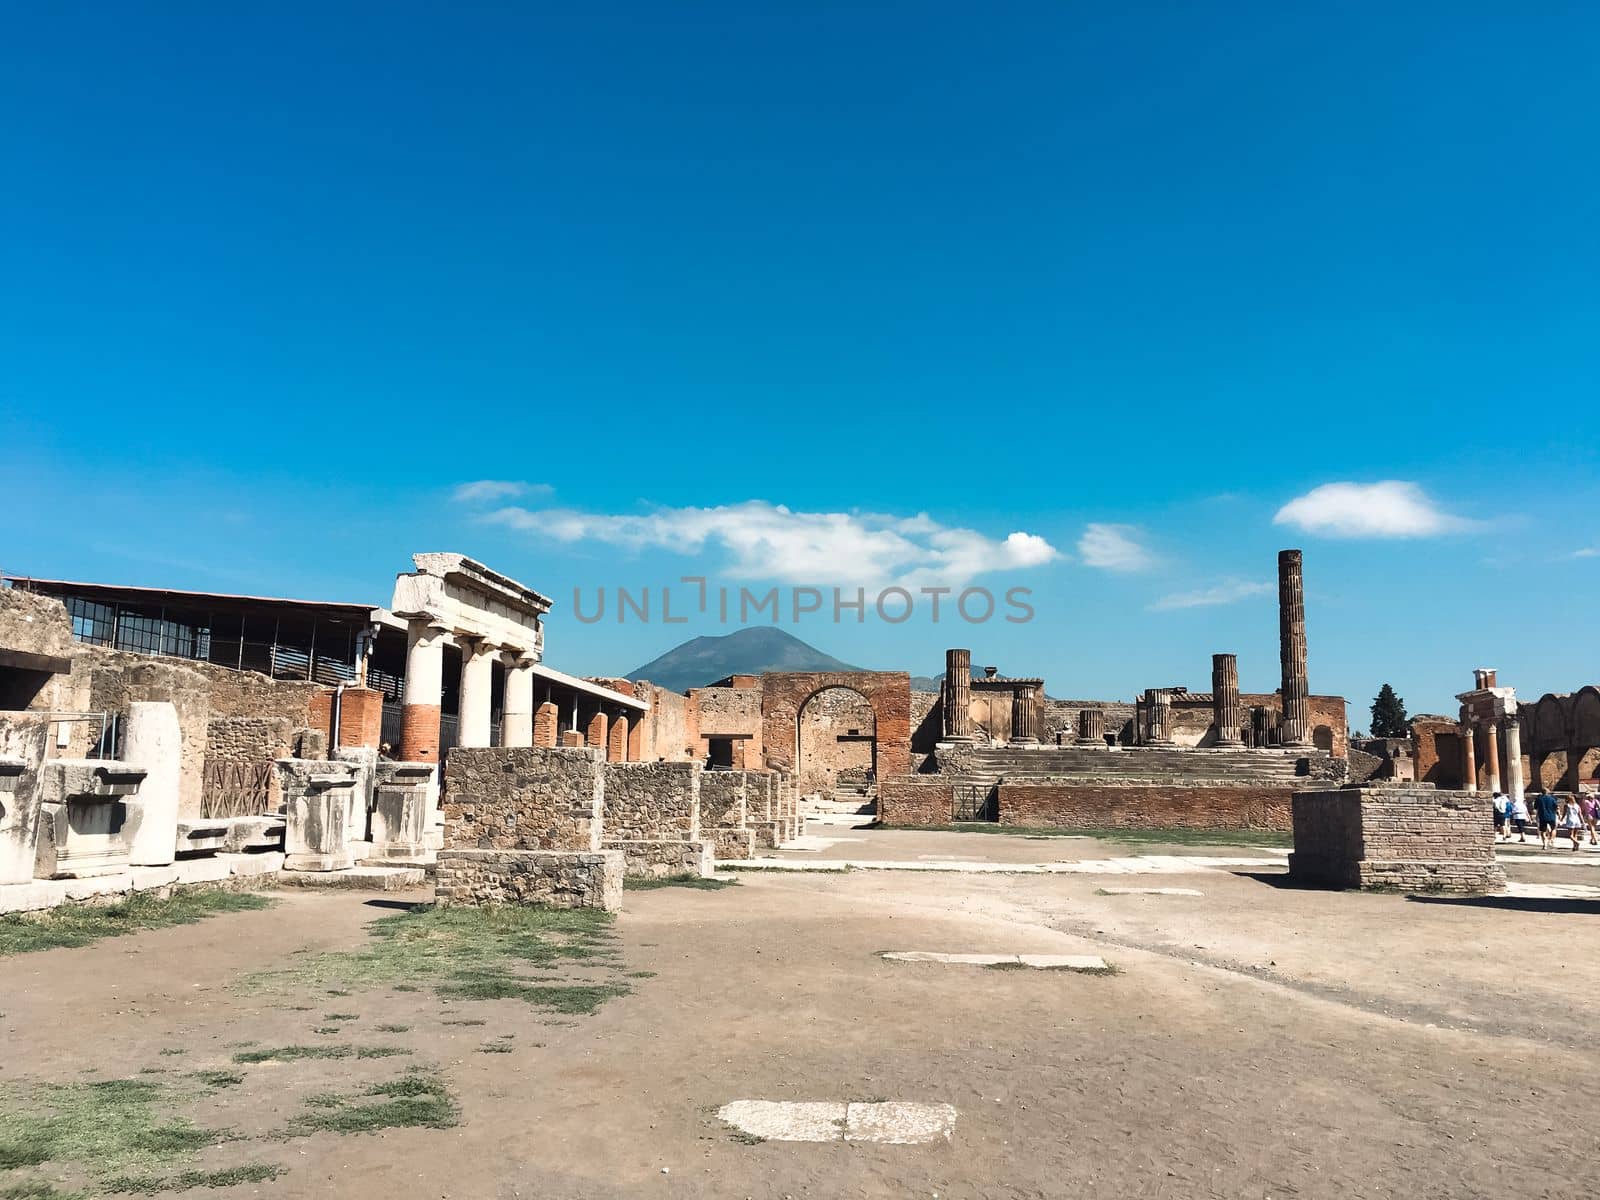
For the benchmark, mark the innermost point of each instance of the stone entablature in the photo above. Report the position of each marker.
(466, 598)
(1411, 838)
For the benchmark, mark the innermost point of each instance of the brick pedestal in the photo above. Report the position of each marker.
(1408, 838)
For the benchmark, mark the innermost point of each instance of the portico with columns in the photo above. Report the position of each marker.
(1491, 722)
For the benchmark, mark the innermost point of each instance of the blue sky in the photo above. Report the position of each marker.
(1127, 280)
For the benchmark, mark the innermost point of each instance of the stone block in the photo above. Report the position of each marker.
(254, 834)
(659, 800)
(523, 798)
(400, 812)
(154, 743)
(317, 804)
(553, 878)
(82, 818)
(733, 843)
(195, 838)
(662, 858)
(1411, 838)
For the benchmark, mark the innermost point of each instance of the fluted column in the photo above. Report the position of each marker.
(1514, 781)
(1158, 704)
(958, 695)
(1296, 730)
(516, 721)
(1469, 758)
(1261, 726)
(1491, 733)
(477, 675)
(419, 717)
(1024, 723)
(1091, 727)
(1225, 698)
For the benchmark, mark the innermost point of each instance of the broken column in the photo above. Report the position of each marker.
(523, 826)
(1024, 717)
(958, 695)
(318, 795)
(1295, 728)
(1158, 711)
(24, 742)
(1225, 699)
(1469, 757)
(154, 743)
(401, 811)
(1092, 727)
(83, 817)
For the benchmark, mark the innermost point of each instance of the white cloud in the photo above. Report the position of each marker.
(1229, 591)
(770, 541)
(1113, 548)
(1586, 552)
(486, 491)
(1392, 508)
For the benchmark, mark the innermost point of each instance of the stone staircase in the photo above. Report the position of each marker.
(986, 766)
(850, 808)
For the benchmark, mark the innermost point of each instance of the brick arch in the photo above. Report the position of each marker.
(785, 693)
(1586, 717)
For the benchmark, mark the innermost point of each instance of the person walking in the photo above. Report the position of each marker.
(1572, 821)
(1589, 806)
(1502, 810)
(1519, 817)
(1548, 809)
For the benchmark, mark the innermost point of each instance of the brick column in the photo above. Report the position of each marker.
(419, 720)
(1225, 699)
(516, 721)
(1491, 732)
(617, 739)
(1292, 649)
(477, 674)
(546, 724)
(1469, 758)
(958, 695)
(595, 732)
(1514, 782)
(1024, 722)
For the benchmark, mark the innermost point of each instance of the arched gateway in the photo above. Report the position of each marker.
(785, 694)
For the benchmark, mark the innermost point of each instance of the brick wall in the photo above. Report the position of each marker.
(915, 800)
(652, 800)
(1412, 838)
(522, 798)
(784, 693)
(1113, 806)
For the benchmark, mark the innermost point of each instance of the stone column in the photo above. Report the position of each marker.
(1225, 699)
(419, 729)
(1514, 781)
(516, 722)
(1091, 727)
(1024, 721)
(1292, 649)
(154, 743)
(958, 695)
(1158, 704)
(477, 676)
(1491, 733)
(1260, 727)
(1469, 758)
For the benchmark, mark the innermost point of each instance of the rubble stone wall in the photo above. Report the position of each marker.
(522, 798)
(652, 800)
(555, 879)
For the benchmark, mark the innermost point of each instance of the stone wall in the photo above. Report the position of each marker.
(1088, 805)
(652, 800)
(522, 798)
(729, 712)
(830, 715)
(651, 858)
(565, 879)
(723, 799)
(667, 730)
(915, 800)
(1411, 838)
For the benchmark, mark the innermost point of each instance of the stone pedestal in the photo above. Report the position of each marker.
(400, 812)
(648, 859)
(82, 818)
(1412, 838)
(317, 799)
(154, 743)
(19, 818)
(1092, 728)
(1225, 699)
(958, 695)
(1295, 730)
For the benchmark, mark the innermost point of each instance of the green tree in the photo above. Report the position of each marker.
(1389, 718)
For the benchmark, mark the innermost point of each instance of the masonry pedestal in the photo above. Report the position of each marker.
(82, 818)
(317, 799)
(1415, 839)
(400, 812)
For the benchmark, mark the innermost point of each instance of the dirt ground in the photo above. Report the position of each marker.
(1257, 1040)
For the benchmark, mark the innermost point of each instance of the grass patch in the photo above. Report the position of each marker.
(109, 1127)
(465, 1021)
(83, 924)
(641, 974)
(495, 1048)
(37, 1189)
(417, 1098)
(341, 1016)
(471, 954)
(1155, 836)
(386, 1027)
(149, 1185)
(698, 882)
(218, 1078)
(325, 1028)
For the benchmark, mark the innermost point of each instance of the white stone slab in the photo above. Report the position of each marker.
(1156, 891)
(145, 878)
(899, 1123)
(265, 862)
(1041, 962)
(1155, 864)
(1552, 891)
(203, 870)
(890, 1122)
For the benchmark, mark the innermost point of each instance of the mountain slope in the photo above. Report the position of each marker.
(750, 651)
